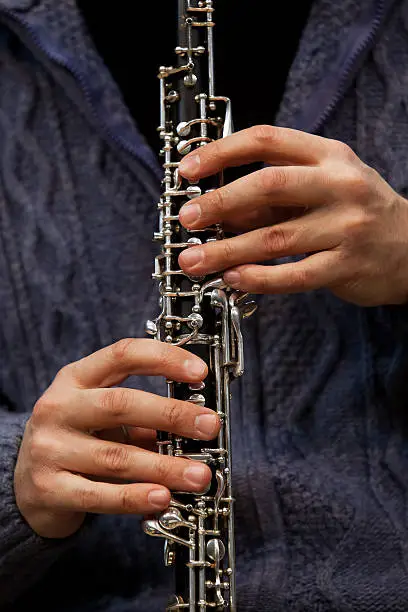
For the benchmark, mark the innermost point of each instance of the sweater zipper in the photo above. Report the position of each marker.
(361, 46)
(147, 163)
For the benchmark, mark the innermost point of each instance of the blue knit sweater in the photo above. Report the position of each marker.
(320, 419)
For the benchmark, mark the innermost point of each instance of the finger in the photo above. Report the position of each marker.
(110, 460)
(142, 437)
(316, 271)
(137, 436)
(107, 408)
(111, 365)
(270, 144)
(259, 191)
(73, 492)
(261, 217)
(316, 231)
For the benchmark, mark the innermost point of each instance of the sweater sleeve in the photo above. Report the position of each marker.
(24, 556)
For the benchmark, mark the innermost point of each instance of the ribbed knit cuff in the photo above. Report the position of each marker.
(24, 556)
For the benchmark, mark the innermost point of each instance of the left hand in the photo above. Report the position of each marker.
(317, 198)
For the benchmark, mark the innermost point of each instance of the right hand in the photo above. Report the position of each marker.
(63, 471)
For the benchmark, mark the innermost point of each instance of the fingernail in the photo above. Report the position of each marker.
(206, 424)
(192, 257)
(159, 498)
(190, 213)
(232, 278)
(195, 368)
(196, 475)
(190, 166)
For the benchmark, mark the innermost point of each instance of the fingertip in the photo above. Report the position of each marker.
(159, 499)
(191, 258)
(208, 425)
(195, 368)
(189, 214)
(233, 278)
(189, 166)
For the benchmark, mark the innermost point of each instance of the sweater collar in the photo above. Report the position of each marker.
(334, 42)
(57, 30)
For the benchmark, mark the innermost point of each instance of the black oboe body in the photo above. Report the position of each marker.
(203, 316)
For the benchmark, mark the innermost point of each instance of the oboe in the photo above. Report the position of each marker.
(204, 316)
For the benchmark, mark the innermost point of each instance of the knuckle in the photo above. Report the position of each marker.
(115, 402)
(216, 150)
(217, 201)
(127, 500)
(43, 410)
(357, 223)
(263, 134)
(273, 178)
(88, 499)
(162, 469)
(212, 154)
(300, 279)
(173, 414)
(228, 250)
(342, 150)
(39, 447)
(260, 282)
(112, 458)
(41, 482)
(275, 240)
(69, 375)
(122, 349)
(43, 445)
(355, 185)
(66, 372)
(167, 356)
(372, 175)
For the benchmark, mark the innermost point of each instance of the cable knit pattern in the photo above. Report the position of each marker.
(320, 418)
(372, 116)
(377, 104)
